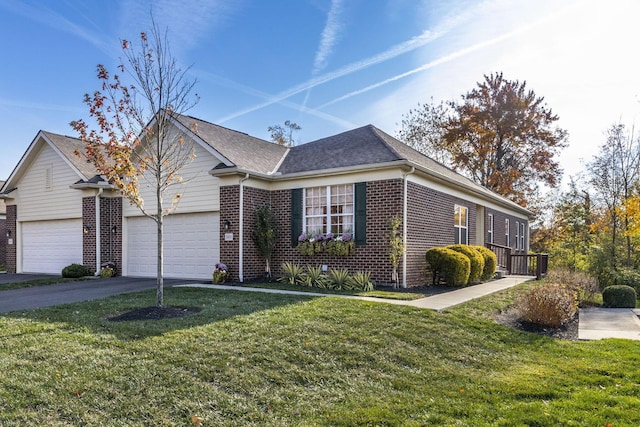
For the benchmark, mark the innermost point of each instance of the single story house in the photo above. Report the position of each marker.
(59, 210)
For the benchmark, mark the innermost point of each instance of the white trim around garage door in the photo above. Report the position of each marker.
(192, 246)
(49, 246)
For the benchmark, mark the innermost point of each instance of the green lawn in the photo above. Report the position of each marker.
(261, 359)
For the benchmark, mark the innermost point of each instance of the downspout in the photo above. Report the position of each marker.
(404, 225)
(241, 231)
(100, 191)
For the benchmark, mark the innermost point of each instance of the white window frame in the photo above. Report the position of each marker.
(517, 236)
(459, 227)
(507, 233)
(327, 215)
(522, 240)
(490, 230)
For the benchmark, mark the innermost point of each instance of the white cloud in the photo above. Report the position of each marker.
(329, 37)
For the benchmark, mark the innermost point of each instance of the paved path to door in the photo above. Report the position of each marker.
(436, 302)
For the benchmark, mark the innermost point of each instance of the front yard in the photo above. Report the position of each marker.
(261, 359)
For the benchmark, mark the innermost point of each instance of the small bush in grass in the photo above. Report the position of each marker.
(74, 271)
(292, 274)
(550, 305)
(448, 265)
(490, 262)
(619, 296)
(476, 259)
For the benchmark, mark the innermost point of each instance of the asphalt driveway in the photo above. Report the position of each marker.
(46, 296)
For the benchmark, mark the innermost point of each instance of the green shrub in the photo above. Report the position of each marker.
(292, 274)
(619, 296)
(476, 258)
(360, 281)
(76, 270)
(628, 277)
(448, 265)
(338, 278)
(550, 305)
(490, 262)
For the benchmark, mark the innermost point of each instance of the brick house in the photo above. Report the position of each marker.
(3, 230)
(353, 182)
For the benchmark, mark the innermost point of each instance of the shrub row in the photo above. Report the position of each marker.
(460, 265)
(335, 278)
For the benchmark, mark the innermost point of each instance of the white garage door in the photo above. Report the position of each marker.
(49, 246)
(191, 245)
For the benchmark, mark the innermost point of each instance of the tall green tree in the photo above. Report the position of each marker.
(133, 141)
(501, 134)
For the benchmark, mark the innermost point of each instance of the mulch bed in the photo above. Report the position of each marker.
(568, 331)
(154, 313)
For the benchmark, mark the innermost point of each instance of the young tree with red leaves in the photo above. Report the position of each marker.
(134, 143)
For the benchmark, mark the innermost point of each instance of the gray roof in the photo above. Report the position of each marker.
(244, 151)
(68, 146)
(369, 145)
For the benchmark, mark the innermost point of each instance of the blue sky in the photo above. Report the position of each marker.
(329, 65)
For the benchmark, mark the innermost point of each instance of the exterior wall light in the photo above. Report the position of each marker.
(86, 229)
(227, 224)
(8, 234)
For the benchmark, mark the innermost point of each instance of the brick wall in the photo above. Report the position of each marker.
(110, 238)
(12, 212)
(253, 264)
(384, 200)
(229, 203)
(111, 231)
(430, 218)
(89, 232)
(499, 235)
(3, 241)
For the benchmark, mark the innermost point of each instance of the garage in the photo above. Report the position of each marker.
(49, 246)
(191, 245)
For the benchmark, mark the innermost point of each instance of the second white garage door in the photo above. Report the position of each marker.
(49, 246)
(191, 245)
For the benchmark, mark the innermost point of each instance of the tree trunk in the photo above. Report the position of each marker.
(160, 260)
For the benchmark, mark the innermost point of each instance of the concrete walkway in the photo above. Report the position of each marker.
(436, 302)
(600, 323)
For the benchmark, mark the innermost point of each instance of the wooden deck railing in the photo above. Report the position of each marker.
(519, 263)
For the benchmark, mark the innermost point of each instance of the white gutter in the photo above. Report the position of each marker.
(405, 204)
(241, 230)
(100, 191)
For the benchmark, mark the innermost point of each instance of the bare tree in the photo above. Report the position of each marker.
(134, 142)
(283, 135)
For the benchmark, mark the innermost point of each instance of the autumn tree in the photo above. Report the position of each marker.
(423, 128)
(615, 176)
(133, 142)
(571, 225)
(283, 134)
(501, 135)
